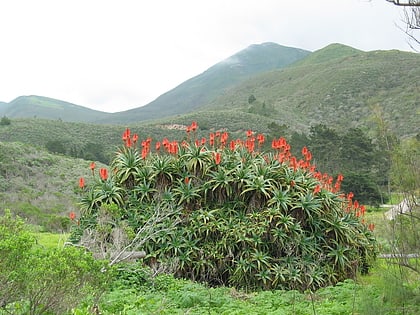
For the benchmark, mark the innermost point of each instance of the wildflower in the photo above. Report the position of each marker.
(126, 134)
(317, 189)
(217, 157)
(81, 182)
(371, 226)
(135, 138)
(193, 126)
(72, 215)
(103, 172)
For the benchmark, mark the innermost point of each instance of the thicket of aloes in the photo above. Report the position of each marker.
(244, 218)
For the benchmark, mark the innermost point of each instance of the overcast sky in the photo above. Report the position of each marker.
(113, 55)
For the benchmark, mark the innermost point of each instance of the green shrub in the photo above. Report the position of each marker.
(35, 280)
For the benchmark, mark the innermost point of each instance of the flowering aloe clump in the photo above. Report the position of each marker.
(246, 218)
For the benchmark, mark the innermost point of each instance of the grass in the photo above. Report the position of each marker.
(50, 240)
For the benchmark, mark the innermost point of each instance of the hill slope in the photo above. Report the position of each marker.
(338, 86)
(197, 91)
(39, 186)
(48, 108)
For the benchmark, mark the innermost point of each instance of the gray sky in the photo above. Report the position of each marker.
(113, 55)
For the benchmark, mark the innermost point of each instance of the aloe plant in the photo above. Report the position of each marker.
(247, 218)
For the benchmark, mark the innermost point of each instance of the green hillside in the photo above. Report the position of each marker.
(48, 108)
(39, 186)
(339, 91)
(197, 91)
(338, 85)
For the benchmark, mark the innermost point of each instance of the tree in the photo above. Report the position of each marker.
(5, 121)
(411, 19)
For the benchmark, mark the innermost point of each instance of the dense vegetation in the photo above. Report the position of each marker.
(244, 217)
(135, 288)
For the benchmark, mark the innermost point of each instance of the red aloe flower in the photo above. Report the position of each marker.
(249, 133)
(92, 167)
(157, 146)
(371, 227)
(81, 182)
(135, 138)
(317, 189)
(217, 157)
(72, 215)
(193, 126)
(126, 134)
(103, 172)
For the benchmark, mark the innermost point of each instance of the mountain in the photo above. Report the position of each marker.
(199, 90)
(48, 108)
(338, 86)
(263, 85)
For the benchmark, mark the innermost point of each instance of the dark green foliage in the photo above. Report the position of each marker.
(56, 146)
(251, 99)
(5, 121)
(352, 154)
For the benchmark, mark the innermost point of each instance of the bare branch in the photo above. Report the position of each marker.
(405, 3)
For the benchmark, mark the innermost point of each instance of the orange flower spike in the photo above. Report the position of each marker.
(274, 144)
(211, 141)
(340, 177)
(260, 138)
(350, 196)
(217, 157)
(72, 215)
(92, 167)
(186, 180)
(157, 146)
(135, 138)
(317, 189)
(103, 173)
(203, 141)
(194, 126)
(356, 204)
(232, 145)
(81, 182)
(304, 151)
(371, 227)
(249, 133)
(126, 134)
